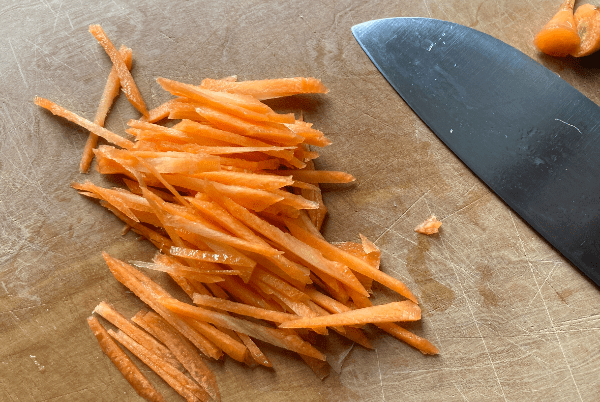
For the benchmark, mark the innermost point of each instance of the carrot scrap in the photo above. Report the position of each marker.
(242, 309)
(129, 370)
(429, 226)
(587, 20)
(559, 37)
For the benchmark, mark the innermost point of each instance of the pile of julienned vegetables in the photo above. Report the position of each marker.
(571, 34)
(230, 197)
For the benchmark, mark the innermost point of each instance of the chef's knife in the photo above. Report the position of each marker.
(528, 134)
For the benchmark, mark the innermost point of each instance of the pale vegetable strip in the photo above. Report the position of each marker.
(127, 82)
(132, 374)
(397, 311)
(80, 121)
(202, 255)
(109, 313)
(267, 89)
(111, 90)
(148, 292)
(242, 309)
(185, 353)
(175, 378)
(354, 263)
(270, 335)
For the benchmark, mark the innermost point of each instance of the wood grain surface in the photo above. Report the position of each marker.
(513, 320)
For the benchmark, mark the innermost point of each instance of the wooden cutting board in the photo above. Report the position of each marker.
(513, 320)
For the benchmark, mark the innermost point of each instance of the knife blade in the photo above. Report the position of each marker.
(528, 134)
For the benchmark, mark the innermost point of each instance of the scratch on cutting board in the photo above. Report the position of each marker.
(427, 7)
(544, 303)
(542, 285)
(380, 377)
(569, 125)
(400, 217)
(18, 64)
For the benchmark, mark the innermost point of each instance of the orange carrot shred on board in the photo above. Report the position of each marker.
(88, 125)
(587, 20)
(129, 370)
(111, 90)
(430, 226)
(127, 83)
(396, 311)
(559, 37)
(268, 89)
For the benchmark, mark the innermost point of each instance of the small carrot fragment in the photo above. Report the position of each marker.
(111, 90)
(319, 176)
(559, 37)
(127, 83)
(390, 312)
(587, 19)
(202, 255)
(429, 226)
(132, 374)
(80, 121)
(268, 89)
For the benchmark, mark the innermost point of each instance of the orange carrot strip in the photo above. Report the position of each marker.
(148, 291)
(255, 352)
(175, 378)
(186, 272)
(243, 309)
(224, 218)
(318, 176)
(390, 312)
(111, 90)
(329, 304)
(181, 223)
(80, 121)
(237, 289)
(109, 196)
(273, 336)
(223, 102)
(351, 261)
(268, 89)
(214, 290)
(185, 353)
(294, 200)
(311, 136)
(273, 132)
(288, 242)
(253, 180)
(127, 82)
(202, 255)
(422, 344)
(280, 285)
(160, 112)
(109, 313)
(202, 130)
(132, 374)
(184, 284)
(233, 348)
